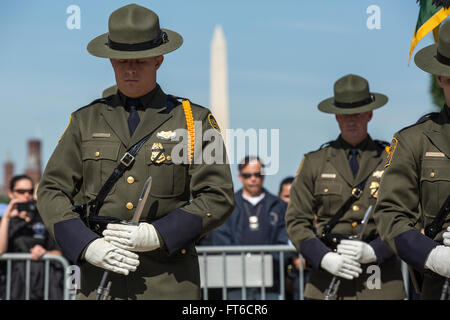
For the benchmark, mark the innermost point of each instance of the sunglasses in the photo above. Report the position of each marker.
(248, 175)
(23, 191)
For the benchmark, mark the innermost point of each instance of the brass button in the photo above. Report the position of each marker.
(334, 250)
(325, 190)
(354, 224)
(208, 214)
(355, 208)
(169, 158)
(129, 206)
(334, 240)
(97, 154)
(130, 179)
(183, 251)
(432, 174)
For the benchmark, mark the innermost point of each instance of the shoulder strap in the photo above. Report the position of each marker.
(126, 163)
(190, 127)
(435, 227)
(356, 194)
(172, 102)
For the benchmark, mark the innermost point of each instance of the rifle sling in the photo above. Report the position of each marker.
(126, 162)
(435, 227)
(356, 194)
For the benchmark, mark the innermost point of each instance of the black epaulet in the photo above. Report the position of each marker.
(429, 116)
(173, 101)
(381, 145)
(326, 144)
(101, 100)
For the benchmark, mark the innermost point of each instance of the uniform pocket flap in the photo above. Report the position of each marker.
(435, 170)
(327, 187)
(99, 151)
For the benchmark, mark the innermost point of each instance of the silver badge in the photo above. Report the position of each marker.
(166, 135)
(253, 222)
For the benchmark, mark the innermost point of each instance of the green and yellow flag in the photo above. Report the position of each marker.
(431, 14)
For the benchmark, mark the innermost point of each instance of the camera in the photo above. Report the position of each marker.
(29, 206)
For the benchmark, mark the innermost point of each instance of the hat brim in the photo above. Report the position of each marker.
(426, 60)
(328, 105)
(99, 47)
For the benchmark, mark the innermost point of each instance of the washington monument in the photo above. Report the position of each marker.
(219, 80)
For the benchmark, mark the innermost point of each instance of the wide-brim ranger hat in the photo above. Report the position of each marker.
(352, 95)
(435, 58)
(134, 33)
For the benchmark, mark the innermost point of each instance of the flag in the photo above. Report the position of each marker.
(431, 14)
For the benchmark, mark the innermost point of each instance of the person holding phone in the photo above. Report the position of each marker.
(22, 231)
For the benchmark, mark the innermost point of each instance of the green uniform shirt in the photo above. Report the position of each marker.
(186, 200)
(414, 186)
(323, 183)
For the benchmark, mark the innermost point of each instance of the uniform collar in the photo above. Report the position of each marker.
(361, 146)
(446, 113)
(155, 99)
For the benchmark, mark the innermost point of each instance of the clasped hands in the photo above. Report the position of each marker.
(115, 251)
(439, 258)
(346, 262)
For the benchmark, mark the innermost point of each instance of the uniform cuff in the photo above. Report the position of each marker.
(414, 248)
(73, 236)
(382, 251)
(178, 229)
(313, 250)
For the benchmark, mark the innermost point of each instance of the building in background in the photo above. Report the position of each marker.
(8, 172)
(33, 166)
(33, 169)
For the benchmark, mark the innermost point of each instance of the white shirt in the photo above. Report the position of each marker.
(254, 200)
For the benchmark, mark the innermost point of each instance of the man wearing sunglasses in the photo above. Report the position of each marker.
(338, 183)
(257, 219)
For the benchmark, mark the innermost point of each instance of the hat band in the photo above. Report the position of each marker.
(443, 59)
(138, 46)
(354, 104)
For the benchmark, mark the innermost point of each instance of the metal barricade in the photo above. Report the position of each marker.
(223, 252)
(9, 257)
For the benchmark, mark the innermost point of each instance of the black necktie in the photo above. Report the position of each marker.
(354, 161)
(133, 118)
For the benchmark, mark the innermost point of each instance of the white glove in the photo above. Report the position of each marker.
(107, 256)
(357, 250)
(341, 266)
(446, 236)
(134, 238)
(439, 261)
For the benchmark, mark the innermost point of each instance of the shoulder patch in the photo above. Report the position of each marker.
(213, 122)
(70, 120)
(392, 148)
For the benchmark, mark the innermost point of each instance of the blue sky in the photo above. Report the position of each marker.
(283, 59)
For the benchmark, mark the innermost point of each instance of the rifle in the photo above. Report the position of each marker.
(335, 282)
(432, 231)
(102, 291)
